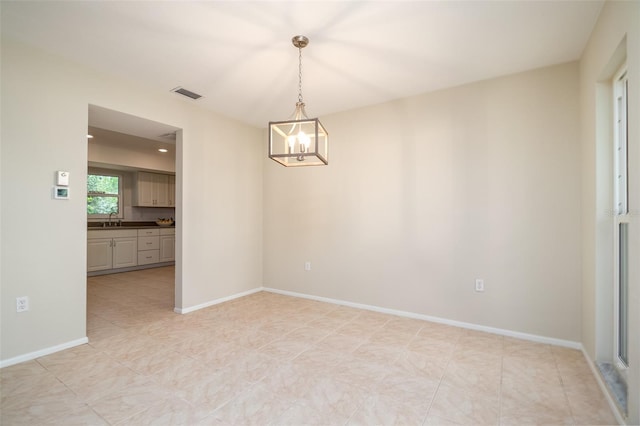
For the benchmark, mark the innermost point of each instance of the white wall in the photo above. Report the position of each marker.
(43, 247)
(617, 26)
(423, 195)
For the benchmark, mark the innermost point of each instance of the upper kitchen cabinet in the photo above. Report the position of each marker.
(154, 190)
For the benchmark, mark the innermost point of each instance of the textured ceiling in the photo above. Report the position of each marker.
(239, 56)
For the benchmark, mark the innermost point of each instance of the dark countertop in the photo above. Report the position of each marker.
(98, 226)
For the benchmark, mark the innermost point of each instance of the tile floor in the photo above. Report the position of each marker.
(272, 359)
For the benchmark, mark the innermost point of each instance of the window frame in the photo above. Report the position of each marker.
(118, 196)
(621, 218)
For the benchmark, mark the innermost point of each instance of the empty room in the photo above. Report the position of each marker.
(331, 213)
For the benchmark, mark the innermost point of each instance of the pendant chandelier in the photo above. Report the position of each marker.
(299, 141)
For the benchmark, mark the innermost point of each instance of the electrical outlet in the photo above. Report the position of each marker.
(307, 266)
(22, 304)
(479, 285)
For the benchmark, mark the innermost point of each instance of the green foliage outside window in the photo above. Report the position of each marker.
(103, 194)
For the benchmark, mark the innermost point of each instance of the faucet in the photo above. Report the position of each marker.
(112, 213)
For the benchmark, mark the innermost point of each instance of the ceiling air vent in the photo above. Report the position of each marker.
(171, 135)
(187, 93)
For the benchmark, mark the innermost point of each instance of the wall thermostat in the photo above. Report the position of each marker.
(62, 178)
(60, 192)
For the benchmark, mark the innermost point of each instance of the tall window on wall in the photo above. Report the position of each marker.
(621, 220)
(104, 195)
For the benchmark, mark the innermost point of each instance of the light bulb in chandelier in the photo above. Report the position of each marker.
(292, 142)
(304, 141)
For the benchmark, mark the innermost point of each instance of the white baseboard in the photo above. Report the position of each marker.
(42, 352)
(216, 301)
(605, 389)
(470, 326)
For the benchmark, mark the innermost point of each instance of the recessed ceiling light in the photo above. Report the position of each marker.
(163, 150)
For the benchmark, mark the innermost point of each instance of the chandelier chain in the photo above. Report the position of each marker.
(300, 74)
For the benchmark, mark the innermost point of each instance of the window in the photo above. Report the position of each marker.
(104, 195)
(621, 192)
(621, 219)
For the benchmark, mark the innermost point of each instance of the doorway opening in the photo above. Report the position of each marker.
(133, 193)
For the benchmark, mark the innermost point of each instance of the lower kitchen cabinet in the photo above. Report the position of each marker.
(111, 249)
(146, 257)
(167, 245)
(148, 246)
(129, 248)
(99, 254)
(124, 252)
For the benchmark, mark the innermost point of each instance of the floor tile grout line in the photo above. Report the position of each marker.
(444, 372)
(499, 419)
(564, 388)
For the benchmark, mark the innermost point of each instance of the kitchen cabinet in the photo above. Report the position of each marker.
(99, 254)
(138, 248)
(144, 189)
(154, 190)
(167, 245)
(172, 190)
(148, 246)
(111, 249)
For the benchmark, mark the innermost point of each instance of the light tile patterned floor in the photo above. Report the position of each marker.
(271, 359)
